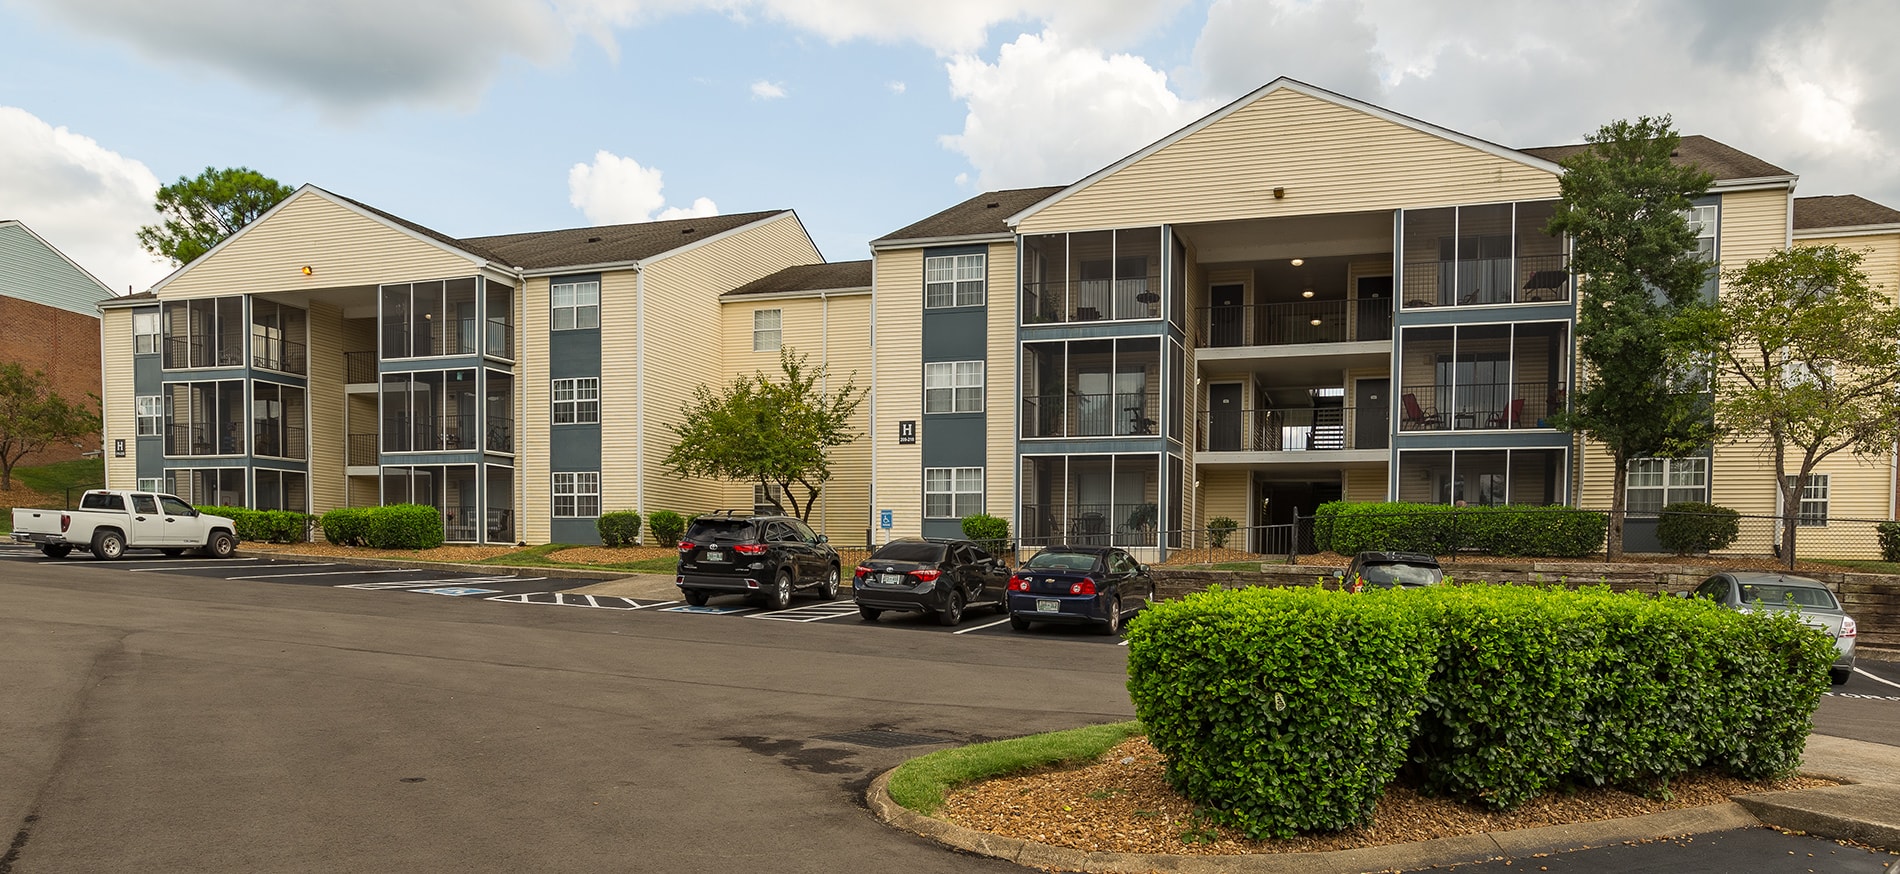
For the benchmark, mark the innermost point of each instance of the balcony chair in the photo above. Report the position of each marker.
(1508, 417)
(1545, 285)
(1417, 418)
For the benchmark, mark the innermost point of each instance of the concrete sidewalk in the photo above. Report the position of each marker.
(1865, 810)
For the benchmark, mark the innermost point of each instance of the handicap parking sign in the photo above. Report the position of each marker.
(884, 518)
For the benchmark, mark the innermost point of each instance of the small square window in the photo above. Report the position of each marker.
(577, 401)
(954, 281)
(145, 333)
(151, 415)
(953, 387)
(952, 492)
(768, 332)
(573, 305)
(577, 495)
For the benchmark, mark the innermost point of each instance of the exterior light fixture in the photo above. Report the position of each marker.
(1316, 322)
(1279, 193)
(1306, 292)
(307, 271)
(1298, 261)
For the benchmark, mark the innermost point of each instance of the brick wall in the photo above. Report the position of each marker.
(65, 345)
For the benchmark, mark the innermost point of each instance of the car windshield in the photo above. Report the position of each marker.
(909, 550)
(1062, 561)
(720, 530)
(1389, 575)
(1776, 595)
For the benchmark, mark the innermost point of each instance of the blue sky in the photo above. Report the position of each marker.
(499, 116)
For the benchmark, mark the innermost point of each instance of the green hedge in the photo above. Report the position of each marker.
(618, 528)
(1440, 529)
(404, 526)
(1288, 710)
(1687, 527)
(267, 526)
(667, 527)
(346, 526)
(988, 531)
(1889, 533)
(1219, 529)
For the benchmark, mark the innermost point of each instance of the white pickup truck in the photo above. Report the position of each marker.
(110, 522)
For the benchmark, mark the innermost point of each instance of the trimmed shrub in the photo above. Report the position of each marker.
(1439, 529)
(264, 526)
(404, 526)
(346, 526)
(988, 531)
(667, 527)
(1323, 517)
(1280, 710)
(1889, 540)
(1219, 529)
(1687, 527)
(618, 528)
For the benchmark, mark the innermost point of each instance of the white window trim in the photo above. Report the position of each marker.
(582, 403)
(768, 339)
(1668, 474)
(583, 310)
(952, 273)
(154, 484)
(954, 493)
(1814, 494)
(149, 408)
(156, 333)
(962, 376)
(579, 488)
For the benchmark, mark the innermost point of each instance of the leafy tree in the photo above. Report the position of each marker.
(32, 415)
(1805, 360)
(774, 433)
(198, 213)
(1640, 278)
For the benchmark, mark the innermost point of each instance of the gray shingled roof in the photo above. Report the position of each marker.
(1726, 162)
(607, 244)
(1841, 211)
(980, 215)
(431, 233)
(810, 277)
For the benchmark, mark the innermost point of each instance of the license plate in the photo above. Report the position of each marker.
(891, 579)
(714, 555)
(1048, 606)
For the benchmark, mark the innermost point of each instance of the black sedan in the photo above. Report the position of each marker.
(938, 577)
(1096, 585)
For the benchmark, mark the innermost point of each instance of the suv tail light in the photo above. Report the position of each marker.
(928, 575)
(1848, 628)
(1086, 587)
(687, 545)
(749, 548)
(1019, 584)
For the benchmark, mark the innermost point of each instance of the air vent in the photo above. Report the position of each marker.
(687, 231)
(593, 239)
(882, 739)
(991, 205)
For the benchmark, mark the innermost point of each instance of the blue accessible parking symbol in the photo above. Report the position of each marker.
(456, 591)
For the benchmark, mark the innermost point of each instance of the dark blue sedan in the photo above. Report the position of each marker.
(1096, 585)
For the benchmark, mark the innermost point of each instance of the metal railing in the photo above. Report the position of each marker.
(501, 434)
(1307, 321)
(359, 367)
(1090, 300)
(429, 434)
(360, 450)
(286, 356)
(1095, 524)
(1479, 406)
(1121, 414)
(1286, 429)
(204, 438)
(223, 351)
(279, 441)
(1485, 281)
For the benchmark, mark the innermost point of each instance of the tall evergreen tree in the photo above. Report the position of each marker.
(199, 213)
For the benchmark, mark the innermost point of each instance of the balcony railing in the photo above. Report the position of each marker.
(501, 434)
(359, 367)
(429, 434)
(1091, 300)
(1310, 321)
(361, 450)
(279, 441)
(287, 356)
(1486, 281)
(1479, 406)
(1122, 414)
(1289, 429)
(204, 438)
(1116, 524)
(183, 352)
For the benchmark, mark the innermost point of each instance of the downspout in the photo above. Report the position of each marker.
(870, 523)
(639, 390)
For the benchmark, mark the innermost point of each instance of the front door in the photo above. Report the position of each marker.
(1223, 419)
(1372, 414)
(1226, 315)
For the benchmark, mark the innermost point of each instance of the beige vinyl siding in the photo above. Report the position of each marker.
(534, 502)
(341, 246)
(1364, 485)
(900, 389)
(1881, 257)
(328, 490)
(619, 386)
(119, 389)
(365, 491)
(1000, 388)
(683, 324)
(1225, 492)
(1328, 158)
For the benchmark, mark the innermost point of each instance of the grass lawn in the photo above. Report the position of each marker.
(537, 556)
(922, 783)
(55, 479)
(1868, 566)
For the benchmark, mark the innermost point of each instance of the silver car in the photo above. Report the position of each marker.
(1749, 591)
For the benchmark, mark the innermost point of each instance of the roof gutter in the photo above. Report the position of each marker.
(1848, 231)
(1754, 183)
(914, 242)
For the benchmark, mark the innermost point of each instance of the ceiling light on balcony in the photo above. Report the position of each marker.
(1306, 292)
(1298, 261)
(1316, 322)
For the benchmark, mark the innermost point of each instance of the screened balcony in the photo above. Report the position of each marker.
(1092, 276)
(1483, 256)
(1230, 323)
(1091, 388)
(207, 332)
(1483, 377)
(1092, 500)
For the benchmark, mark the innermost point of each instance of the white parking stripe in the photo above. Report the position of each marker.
(202, 567)
(981, 627)
(809, 613)
(178, 560)
(1876, 679)
(399, 570)
(405, 584)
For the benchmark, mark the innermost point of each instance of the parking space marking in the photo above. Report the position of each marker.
(399, 570)
(709, 611)
(174, 560)
(454, 591)
(981, 627)
(1862, 697)
(206, 567)
(379, 585)
(810, 613)
(1863, 672)
(568, 599)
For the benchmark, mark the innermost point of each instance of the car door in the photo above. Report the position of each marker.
(815, 563)
(149, 527)
(969, 571)
(786, 541)
(1120, 569)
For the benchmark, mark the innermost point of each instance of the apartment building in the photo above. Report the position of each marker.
(50, 318)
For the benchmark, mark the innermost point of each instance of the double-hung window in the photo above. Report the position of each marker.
(953, 387)
(577, 401)
(1655, 483)
(768, 330)
(151, 415)
(577, 495)
(1813, 511)
(952, 492)
(152, 484)
(145, 333)
(953, 281)
(573, 305)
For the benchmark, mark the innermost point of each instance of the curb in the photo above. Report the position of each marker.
(1461, 849)
(1814, 811)
(491, 569)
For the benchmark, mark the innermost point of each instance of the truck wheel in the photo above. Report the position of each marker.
(108, 545)
(56, 550)
(221, 544)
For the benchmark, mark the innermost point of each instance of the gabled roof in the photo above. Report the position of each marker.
(31, 269)
(607, 244)
(837, 275)
(983, 215)
(1721, 159)
(1841, 211)
(390, 217)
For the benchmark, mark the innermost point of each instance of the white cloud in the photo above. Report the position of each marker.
(896, 87)
(1048, 113)
(964, 25)
(84, 199)
(1247, 44)
(616, 190)
(763, 90)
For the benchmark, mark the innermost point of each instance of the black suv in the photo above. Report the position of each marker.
(939, 577)
(761, 557)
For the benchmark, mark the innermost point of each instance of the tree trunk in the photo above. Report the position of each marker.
(1613, 546)
(1790, 515)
